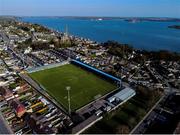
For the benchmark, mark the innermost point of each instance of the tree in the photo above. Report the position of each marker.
(118, 49)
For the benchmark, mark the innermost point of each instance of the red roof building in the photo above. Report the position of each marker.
(19, 108)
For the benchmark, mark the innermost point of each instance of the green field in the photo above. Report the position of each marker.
(85, 86)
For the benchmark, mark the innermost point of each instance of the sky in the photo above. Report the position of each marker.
(119, 8)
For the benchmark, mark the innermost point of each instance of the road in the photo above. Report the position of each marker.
(4, 127)
(85, 124)
(140, 126)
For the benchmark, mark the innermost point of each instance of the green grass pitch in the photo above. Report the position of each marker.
(85, 86)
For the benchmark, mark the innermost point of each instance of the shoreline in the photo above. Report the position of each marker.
(100, 43)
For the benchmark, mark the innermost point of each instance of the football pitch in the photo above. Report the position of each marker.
(85, 85)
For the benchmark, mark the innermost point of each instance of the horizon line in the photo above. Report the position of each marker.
(89, 16)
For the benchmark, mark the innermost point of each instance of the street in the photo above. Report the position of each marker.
(4, 127)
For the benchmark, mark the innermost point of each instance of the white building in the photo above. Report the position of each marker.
(122, 96)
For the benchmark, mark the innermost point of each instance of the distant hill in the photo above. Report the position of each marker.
(128, 19)
(154, 19)
(174, 27)
(8, 18)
